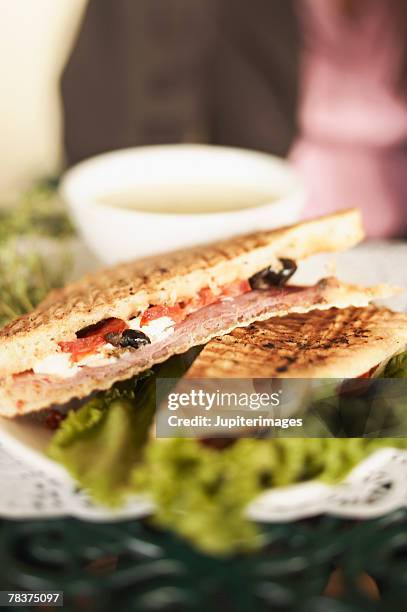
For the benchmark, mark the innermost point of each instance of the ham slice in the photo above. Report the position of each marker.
(28, 391)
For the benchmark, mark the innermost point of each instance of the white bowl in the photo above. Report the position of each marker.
(118, 234)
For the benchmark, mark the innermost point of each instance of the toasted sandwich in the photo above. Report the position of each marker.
(115, 323)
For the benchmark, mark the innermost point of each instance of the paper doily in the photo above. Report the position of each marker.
(376, 486)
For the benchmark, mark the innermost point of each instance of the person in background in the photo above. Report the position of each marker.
(352, 145)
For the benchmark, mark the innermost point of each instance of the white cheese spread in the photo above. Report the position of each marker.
(156, 330)
(60, 364)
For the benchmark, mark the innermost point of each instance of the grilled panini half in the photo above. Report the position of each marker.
(120, 321)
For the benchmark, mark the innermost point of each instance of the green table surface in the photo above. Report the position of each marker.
(130, 566)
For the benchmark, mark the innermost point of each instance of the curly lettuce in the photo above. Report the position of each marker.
(202, 493)
(100, 443)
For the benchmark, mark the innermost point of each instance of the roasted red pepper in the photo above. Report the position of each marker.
(205, 297)
(176, 313)
(92, 339)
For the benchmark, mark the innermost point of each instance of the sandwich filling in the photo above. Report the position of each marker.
(103, 343)
(85, 371)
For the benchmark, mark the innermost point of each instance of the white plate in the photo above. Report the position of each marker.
(28, 440)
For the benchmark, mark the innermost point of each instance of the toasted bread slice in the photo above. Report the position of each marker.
(128, 289)
(330, 343)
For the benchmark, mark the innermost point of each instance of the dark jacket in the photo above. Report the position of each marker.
(161, 71)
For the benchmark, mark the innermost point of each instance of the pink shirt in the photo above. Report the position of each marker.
(352, 148)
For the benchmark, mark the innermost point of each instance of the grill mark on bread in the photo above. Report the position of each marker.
(331, 343)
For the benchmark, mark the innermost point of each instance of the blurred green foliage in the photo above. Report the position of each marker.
(38, 211)
(26, 276)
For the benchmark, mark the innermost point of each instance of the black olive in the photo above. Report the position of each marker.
(132, 338)
(270, 278)
(289, 268)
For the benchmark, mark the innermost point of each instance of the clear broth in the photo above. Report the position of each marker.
(175, 199)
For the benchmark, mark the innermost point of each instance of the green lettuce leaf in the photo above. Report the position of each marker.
(202, 493)
(396, 367)
(101, 443)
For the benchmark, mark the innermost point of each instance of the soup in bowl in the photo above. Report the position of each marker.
(148, 200)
